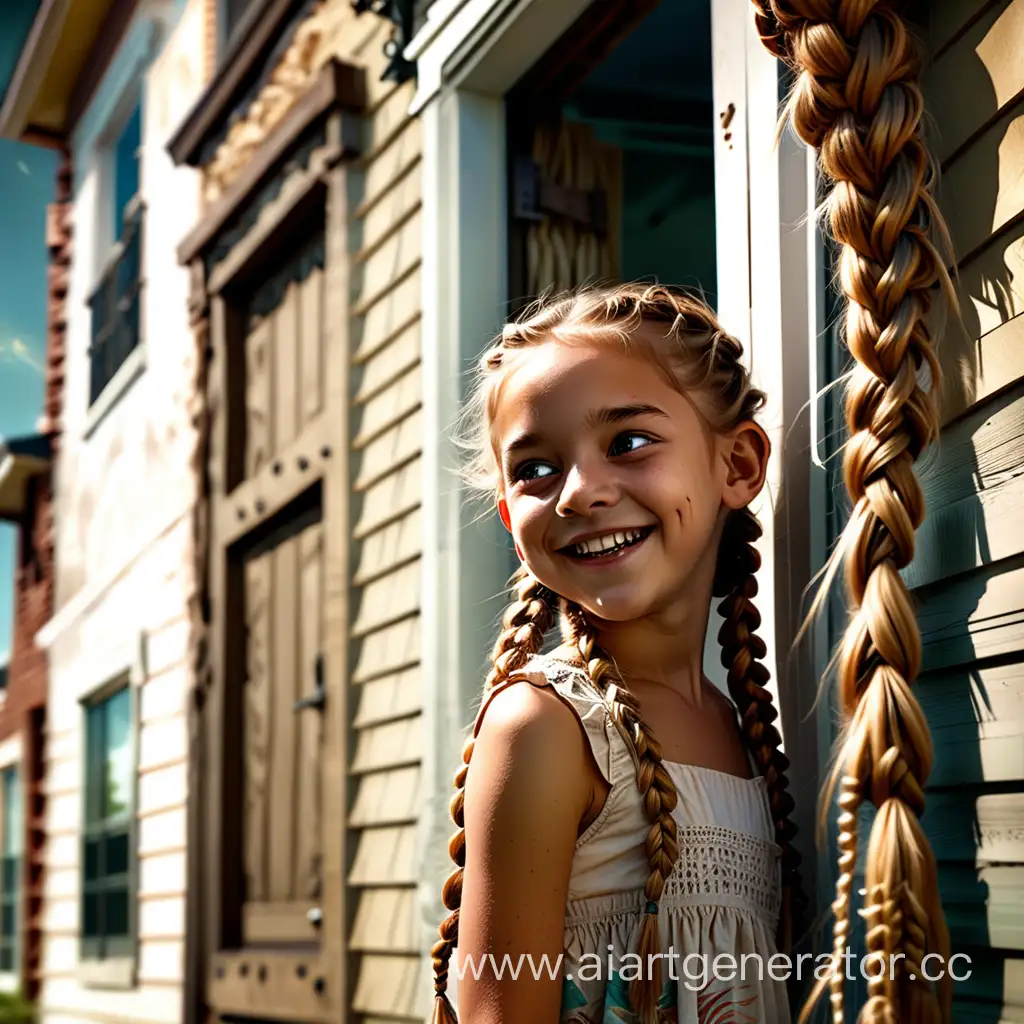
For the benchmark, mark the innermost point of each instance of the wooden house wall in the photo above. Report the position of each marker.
(123, 576)
(383, 773)
(968, 574)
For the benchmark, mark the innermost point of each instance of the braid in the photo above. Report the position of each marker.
(742, 651)
(526, 621)
(659, 797)
(857, 100)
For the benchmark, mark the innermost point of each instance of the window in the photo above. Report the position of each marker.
(114, 304)
(107, 835)
(10, 867)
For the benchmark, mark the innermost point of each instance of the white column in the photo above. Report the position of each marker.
(465, 557)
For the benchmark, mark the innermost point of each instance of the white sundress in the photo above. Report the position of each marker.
(721, 902)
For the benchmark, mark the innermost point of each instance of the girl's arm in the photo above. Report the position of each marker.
(529, 785)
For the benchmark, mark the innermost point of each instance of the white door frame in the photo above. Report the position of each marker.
(469, 54)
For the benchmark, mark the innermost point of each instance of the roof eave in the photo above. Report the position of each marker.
(30, 71)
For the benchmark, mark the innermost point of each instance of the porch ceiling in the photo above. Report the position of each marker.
(20, 459)
(44, 65)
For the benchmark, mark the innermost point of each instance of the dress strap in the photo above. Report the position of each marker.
(612, 754)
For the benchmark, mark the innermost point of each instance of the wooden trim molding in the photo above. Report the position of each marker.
(337, 86)
(250, 47)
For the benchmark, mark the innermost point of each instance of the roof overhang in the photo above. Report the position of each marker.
(21, 458)
(58, 66)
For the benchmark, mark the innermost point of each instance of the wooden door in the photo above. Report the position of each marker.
(270, 791)
(281, 732)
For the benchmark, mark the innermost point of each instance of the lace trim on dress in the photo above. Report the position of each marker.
(722, 866)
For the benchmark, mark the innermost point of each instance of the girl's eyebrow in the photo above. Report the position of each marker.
(594, 418)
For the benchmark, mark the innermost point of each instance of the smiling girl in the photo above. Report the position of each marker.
(614, 805)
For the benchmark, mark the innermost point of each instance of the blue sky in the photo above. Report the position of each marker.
(26, 186)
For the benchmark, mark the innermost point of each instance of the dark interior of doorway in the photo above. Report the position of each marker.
(639, 74)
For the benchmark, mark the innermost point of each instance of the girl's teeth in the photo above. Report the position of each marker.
(607, 543)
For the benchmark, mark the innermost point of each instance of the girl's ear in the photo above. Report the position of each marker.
(746, 452)
(503, 513)
(507, 521)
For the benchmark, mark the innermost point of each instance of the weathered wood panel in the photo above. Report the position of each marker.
(388, 315)
(386, 921)
(388, 407)
(387, 797)
(389, 985)
(306, 882)
(390, 362)
(388, 745)
(284, 601)
(389, 498)
(312, 340)
(973, 484)
(286, 351)
(385, 856)
(392, 545)
(389, 697)
(976, 715)
(387, 452)
(388, 649)
(388, 598)
(257, 724)
(259, 438)
(977, 76)
(285, 722)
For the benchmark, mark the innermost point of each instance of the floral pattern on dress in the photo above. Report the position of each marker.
(714, 1005)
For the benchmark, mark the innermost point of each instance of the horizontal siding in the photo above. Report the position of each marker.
(161, 828)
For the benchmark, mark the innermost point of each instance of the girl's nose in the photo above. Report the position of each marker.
(585, 490)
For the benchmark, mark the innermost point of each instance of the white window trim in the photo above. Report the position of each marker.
(123, 85)
(123, 664)
(469, 53)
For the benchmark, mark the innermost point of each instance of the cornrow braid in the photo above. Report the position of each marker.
(658, 795)
(857, 100)
(526, 621)
(747, 676)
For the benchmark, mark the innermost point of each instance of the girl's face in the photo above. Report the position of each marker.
(611, 483)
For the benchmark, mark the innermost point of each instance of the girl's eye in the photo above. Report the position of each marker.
(534, 470)
(630, 435)
(528, 471)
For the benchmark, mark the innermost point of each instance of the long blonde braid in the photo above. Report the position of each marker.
(857, 100)
(657, 792)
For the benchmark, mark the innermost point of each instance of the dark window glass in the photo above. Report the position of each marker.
(10, 867)
(127, 151)
(107, 843)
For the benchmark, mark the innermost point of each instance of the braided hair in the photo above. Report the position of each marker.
(698, 355)
(856, 99)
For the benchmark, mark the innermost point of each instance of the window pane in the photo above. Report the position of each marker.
(92, 859)
(13, 838)
(118, 774)
(9, 881)
(94, 760)
(126, 166)
(116, 918)
(91, 915)
(8, 920)
(117, 855)
(6, 959)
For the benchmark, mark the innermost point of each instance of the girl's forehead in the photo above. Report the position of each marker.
(565, 381)
(543, 371)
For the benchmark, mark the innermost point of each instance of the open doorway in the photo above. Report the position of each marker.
(611, 154)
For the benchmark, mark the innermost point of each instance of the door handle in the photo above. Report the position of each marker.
(318, 697)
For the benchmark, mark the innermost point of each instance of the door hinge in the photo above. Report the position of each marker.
(318, 697)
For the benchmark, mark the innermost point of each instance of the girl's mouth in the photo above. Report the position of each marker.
(609, 548)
